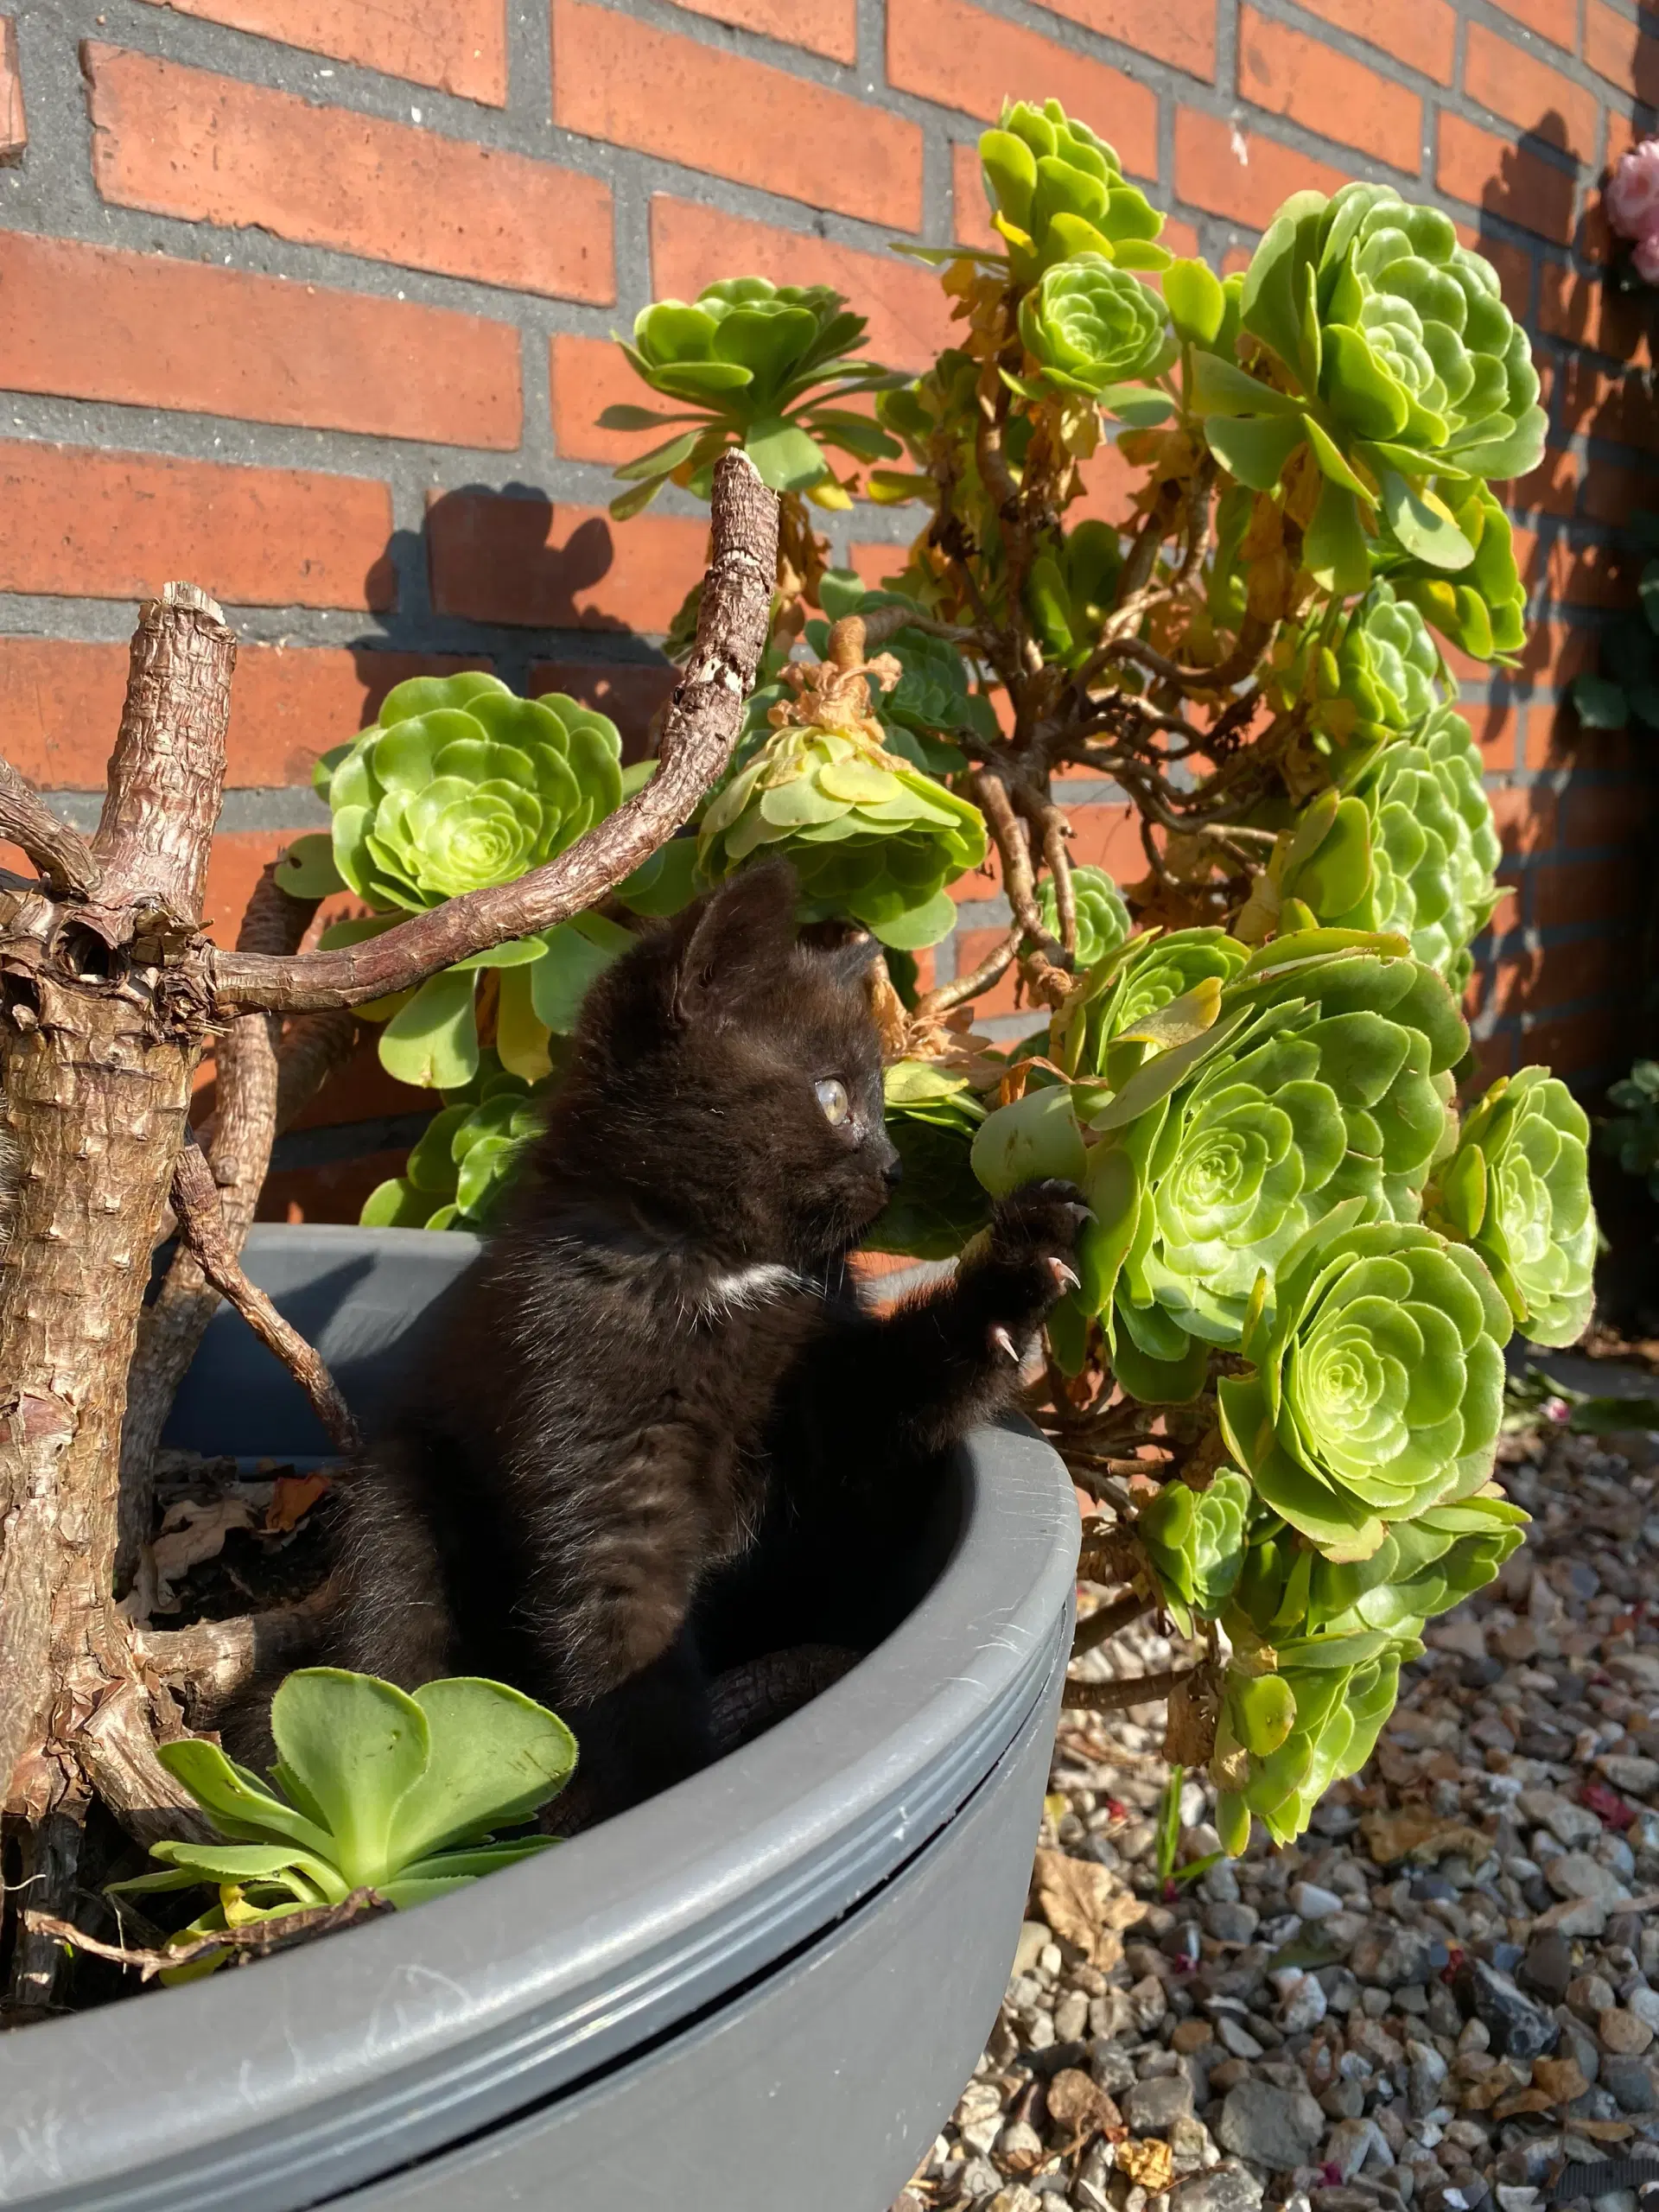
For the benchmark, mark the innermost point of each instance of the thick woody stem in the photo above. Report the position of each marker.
(314, 1045)
(699, 731)
(1045, 968)
(245, 1128)
(202, 1225)
(209, 1663)
(1122, 1696)
(62, 854)
(1056, 829)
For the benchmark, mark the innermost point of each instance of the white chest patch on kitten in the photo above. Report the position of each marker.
(743, 1288)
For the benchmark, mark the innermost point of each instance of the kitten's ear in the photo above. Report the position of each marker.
(734, 940)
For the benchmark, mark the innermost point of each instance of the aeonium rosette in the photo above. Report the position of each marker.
(1379, 1383)
(1394, 361)
(1517, 1189)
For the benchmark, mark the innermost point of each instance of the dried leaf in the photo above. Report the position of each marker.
(1079, 2105)
(1523, 2100)
(1079, 1902)
(1190, 1720)
(292, 1498)
(194, 1530)
(1151, 2162)
(1604, 2131)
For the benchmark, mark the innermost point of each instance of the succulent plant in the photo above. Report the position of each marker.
(374, 1789)
(1095, 332)
(458, 1168)
(762, 366)
(868, 835)
(1287, 1732)
(1631, 1136)
(1321, 1089)
(1057, 191)
(1406, 367)
(458, 785)
(1518, 1190)
(1103, 917)
(1378, 1385)
(1409, 847)
(1194, 1542)
(1141, 996)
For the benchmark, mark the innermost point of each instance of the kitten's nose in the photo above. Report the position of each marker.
(893, 1167)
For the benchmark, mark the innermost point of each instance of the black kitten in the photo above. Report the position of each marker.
(655, 1369)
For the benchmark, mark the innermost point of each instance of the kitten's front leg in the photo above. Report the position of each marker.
(936, 1367)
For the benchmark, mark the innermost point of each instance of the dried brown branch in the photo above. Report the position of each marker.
(1122, 1696)
(62, 854)
(314, 1045)
(258, 1939)
(1046, 968)
(1056, 829)
(699, 731)
(202, 1225)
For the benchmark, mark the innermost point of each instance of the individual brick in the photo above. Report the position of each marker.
(1289, 74)
(1623, 52)
(1550, 18)
(89, 322)
(693, 245)
(1588, 311)
(14, 125)
(827, 27)
(1420, 33)
(209, 149)
(963, 58)
(586, 376)
(1488, 171)
(60, 707)
(1229, 170)
(459, 45)
(1183, 34)
(84, 525)
(525, 561)
(629, 83)
(1530, 92)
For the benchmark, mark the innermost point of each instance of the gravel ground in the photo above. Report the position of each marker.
(1446, 1997)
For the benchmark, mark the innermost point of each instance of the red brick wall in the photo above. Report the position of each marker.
(310, 301)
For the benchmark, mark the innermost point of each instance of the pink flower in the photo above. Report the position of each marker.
(1646, 257)
(1632, 197)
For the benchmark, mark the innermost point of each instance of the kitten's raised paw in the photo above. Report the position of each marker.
(1030, 1263)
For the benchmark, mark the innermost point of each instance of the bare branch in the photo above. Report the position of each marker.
(991, 969)
(201, 1224)
(209, 1663)
(117, 1748)
(1106, 1621)
(1122, 1696)
(258, 1938)
(699, 731)
(62, 854)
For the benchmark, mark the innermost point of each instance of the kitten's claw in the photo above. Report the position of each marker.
(1066, 1278)
(1004, 1342)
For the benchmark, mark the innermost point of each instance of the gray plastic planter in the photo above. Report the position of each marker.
(765, 1988)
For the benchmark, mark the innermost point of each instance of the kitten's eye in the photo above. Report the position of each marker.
(832, 1096)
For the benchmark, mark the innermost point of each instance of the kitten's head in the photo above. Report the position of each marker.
(726, 1080)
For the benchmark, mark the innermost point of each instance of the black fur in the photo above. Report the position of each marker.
(651, 1420)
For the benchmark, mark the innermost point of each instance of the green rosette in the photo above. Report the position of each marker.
(750, 363)
(1286, 1732)
(1395, 361)
(1409, 846)
(1095, 332)
(868, 835)
(1102, 918)
(1379, 1383)
(1518, 1190)
(1194, 1543)
(459, 785)
(1316, 1078)
(1057, 191)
